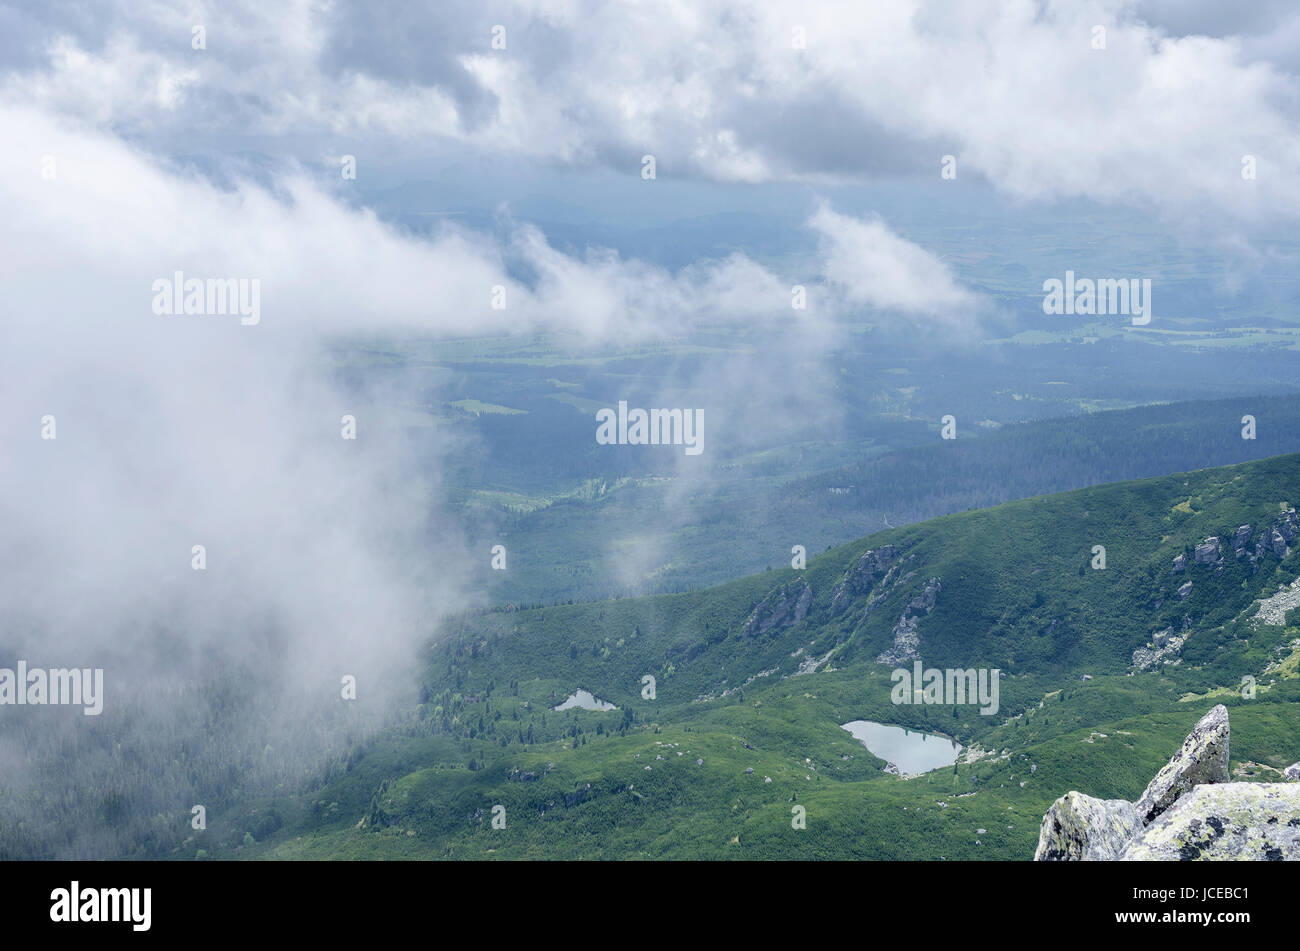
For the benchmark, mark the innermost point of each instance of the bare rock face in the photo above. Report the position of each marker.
(907, 642)
(1202, 759)
(1081, 828)
(786, 606)
(1292, 773)
(1225, 822)
(862, 576)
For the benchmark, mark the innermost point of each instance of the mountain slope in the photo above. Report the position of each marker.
(758, 674)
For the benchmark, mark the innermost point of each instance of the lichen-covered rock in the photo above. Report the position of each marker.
(1202, 759)
(1225, 822)
(1081, 828)
(1189, 812)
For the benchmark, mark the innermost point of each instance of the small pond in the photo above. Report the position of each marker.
(911, 751)
(585, 701)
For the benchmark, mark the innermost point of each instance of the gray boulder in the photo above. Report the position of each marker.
(1292, 773)
(1202, 759)
(1278, 543)
(1081, 828)
(1207, 552)
(1287, 525)
(1225, 822)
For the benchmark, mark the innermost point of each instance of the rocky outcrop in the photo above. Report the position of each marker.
(1277, 541)
(1207, 553)
(1163, 648)
(1081, 828)
(907, 643)
(1292, 773)
(784, 607)
(1202, 759)
(1167, 645)
(1287, 525)
(859, 579)
(925, 601)
(885, 588)
(1190, 811)
(1276, 538)
(1228, 822)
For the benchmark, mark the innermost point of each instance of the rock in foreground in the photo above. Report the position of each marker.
(1081, 828)
(1228, 822)
(1188, 812)
(1203, 759)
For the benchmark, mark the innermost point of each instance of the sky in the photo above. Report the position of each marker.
(1018, 92)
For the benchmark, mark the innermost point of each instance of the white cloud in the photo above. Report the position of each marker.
(225, 433)
(201, 430)
(870, 265)
(1015, 90)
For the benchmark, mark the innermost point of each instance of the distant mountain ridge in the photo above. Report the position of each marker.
(562, 549)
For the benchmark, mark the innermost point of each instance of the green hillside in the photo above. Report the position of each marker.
(758, 674)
